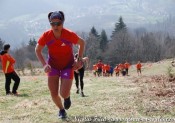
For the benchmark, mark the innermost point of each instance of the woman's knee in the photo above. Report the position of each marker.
(64, 94)
(65, 88)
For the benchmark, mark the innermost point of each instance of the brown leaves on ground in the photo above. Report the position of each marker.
(159, 85)
(163, 86)
(157, 94)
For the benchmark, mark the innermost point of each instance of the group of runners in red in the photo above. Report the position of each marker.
(102, 69)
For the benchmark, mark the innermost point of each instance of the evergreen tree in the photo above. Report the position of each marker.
(1, 44)
(120, 44)
(32, 42)
(119, 26)
(31, 49)
(103, 40)
(94, 32)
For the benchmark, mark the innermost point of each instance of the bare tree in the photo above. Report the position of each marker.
(120, 47)
(20, 59)
(92, 49)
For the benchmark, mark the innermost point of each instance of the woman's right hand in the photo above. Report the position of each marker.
(47, 68)
(77, 65)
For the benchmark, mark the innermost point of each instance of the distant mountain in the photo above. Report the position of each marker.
(26, 19)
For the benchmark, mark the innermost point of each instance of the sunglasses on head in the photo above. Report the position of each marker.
(55, 23)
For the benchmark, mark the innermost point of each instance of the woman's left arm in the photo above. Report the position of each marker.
(81, 44)
(78, 64)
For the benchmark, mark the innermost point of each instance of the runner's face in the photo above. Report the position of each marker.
(56, 25)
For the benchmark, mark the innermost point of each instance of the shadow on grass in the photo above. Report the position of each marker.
(85, 96)
(24, 95)
(20, 95)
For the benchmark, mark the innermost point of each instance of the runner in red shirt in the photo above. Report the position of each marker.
(117, 70)
(60, 63)
(94, 69)
(99, 66)
(122, 69)
(139, 66)
(127, 65)
(107, 70)
(104, 69)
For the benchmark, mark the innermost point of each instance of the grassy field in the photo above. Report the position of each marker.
(132, 99)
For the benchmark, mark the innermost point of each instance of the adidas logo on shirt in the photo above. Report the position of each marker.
(63, 44)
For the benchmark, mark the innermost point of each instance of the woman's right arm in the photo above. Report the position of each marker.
(38, 51)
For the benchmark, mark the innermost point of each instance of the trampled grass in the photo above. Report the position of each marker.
(107, 99)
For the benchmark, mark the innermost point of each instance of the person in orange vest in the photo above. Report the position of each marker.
(139, 66)
(127, 65)
(8, 69)
(99, 66)
(122, 69)
(95, 69)
(117, 70)
(104, 67)
(108, 70)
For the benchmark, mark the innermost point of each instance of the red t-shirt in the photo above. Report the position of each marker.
(121, 66)
(95, 67)
(117, 69)
(7, 63)
(100, 65)
(138, 66)
(127, 65)
(60, 50)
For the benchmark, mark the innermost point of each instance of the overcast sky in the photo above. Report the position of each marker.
(29, 17)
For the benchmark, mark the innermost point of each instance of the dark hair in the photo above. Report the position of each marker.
(6, 46)
(60, 12)
(76, 55)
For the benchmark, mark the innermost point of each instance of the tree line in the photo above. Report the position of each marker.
(131, 45)
(24, 55)
(123, 44)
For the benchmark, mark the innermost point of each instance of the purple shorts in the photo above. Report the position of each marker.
(64, 74)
